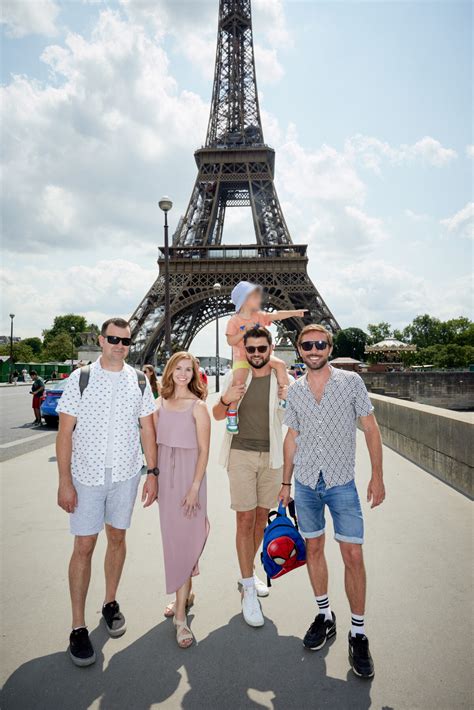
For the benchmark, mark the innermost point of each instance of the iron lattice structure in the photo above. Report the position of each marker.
(235, 168)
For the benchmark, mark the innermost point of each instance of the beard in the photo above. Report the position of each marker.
(314, 365)
(257, 362)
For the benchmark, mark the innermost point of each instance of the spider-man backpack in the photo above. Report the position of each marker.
(283, 547)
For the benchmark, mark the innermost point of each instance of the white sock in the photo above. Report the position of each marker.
(248, 583)
(76, 628)
(324, 607)
(357, 624)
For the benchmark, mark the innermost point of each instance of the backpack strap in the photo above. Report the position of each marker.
(84, 378)
(141, 377)
(292, 512)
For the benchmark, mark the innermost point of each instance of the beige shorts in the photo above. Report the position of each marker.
(252, 482)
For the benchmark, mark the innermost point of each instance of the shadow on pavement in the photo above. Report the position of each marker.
(233, 668)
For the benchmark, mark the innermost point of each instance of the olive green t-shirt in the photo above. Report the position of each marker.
(254, 418)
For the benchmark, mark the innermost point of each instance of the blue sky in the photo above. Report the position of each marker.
(369, 107)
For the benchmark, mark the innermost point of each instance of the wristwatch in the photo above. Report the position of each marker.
(153, 471)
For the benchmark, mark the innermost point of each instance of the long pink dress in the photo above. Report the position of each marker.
(183, 538)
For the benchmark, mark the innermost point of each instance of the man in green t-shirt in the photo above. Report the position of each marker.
(37, 390)
(253, 459)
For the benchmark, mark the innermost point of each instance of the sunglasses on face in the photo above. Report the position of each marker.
(115, 340)
(252, 349)
(308, 345)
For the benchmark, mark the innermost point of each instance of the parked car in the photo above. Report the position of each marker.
(49, 401)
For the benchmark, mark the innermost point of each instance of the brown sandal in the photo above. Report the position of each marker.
(184, 635)
(169, 610)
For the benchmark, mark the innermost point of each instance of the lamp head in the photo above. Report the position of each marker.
(217, 287)
(12, 315)
(165, 204)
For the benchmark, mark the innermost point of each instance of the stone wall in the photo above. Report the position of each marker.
(438, 440)
(451, 390)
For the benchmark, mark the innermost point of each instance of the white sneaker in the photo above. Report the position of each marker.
(261, 587)
(251, 608)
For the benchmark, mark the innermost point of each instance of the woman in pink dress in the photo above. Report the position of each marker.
(183, 429)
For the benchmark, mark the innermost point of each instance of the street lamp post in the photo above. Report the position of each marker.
(165, 204)
(12, 315)
(73, 330)
(217, 290)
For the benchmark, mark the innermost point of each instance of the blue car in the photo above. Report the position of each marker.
(51, 397)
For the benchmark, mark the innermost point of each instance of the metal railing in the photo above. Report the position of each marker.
(238, 251)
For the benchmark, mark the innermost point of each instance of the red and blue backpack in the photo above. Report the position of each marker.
(283, 547)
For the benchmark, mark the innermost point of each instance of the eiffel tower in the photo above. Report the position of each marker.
(235, 169)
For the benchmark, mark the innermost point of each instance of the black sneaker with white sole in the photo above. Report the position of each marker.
(80, 648)
(319, 632)
(114, 619)
(359, 656)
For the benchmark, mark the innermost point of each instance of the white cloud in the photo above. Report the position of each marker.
(417, 216)
(87, 153)
(98, 292)
(461, 223)
(372, 152)
(269, 70)
(470, 151)
(29, 17)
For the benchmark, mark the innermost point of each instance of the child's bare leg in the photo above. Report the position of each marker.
(239, 378)
(282, 376)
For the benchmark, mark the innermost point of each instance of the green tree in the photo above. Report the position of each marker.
(65, 323)
(35, 344)
(425, 331)
(379, 331)
(446, 356)
(59, 348)
(461, 330)
(350, 342)
(21, 352)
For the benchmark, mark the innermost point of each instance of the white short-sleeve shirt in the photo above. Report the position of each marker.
(98, 412)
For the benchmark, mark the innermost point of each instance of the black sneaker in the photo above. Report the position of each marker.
(319, 632)
(359, 656)
(80, 648)
(114, 619)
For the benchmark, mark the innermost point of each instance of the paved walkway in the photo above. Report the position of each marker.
(418, 555)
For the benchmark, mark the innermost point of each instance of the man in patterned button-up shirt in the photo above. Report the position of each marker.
(99, 462)
(323, 408)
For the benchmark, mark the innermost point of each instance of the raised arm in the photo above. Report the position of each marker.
(203, 433)
(376, 488)
(282, 315)
(67, 496)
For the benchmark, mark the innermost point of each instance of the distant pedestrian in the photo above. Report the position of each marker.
(182, 432)
(54, 375)
(25, 376)
(15, 376)
(149, 371)
(101, 417)
(37, 390)
(323, 410)
(202, 372)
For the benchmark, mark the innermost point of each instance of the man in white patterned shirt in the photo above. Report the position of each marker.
(323, 408)
(101, 415)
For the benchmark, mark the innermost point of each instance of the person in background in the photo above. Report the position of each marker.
(99, 462)
(15, 376)
(37, 390)
(24, 374)
(149, 371)
(324, 408)
(202, 372)
(183, 429)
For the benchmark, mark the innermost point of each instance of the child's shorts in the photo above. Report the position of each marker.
(241, 365)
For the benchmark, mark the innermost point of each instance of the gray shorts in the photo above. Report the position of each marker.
(111, 503)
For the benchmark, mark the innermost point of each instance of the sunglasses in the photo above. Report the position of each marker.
(308, 345)
(115, 340)
(252, 349)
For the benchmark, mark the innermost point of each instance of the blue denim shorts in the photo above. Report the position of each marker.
(343, 503)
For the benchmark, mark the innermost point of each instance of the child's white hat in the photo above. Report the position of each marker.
(241, 291)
